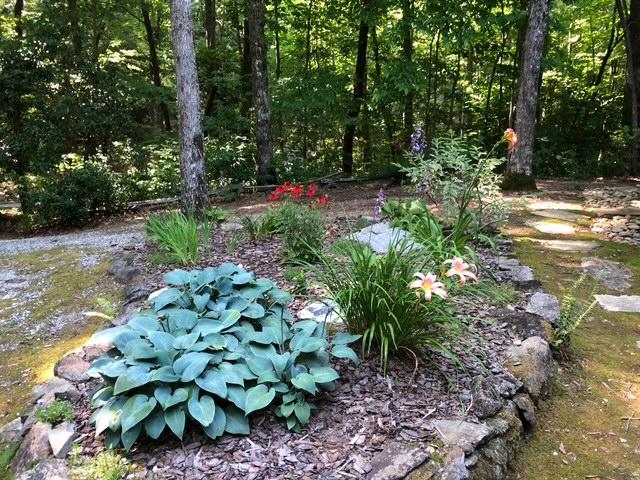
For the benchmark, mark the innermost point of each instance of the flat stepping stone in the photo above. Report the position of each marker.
(553, 205)
(613, 275)
(381, 236)
(622, 303)
(554, 228)
(578, 246)
(560, 215)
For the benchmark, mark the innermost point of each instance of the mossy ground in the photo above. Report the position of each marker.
(43, 320)
(584, 429)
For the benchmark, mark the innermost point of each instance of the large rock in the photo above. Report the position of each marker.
(545, 305)
(527, 409)
(381, 236)
(122, 269)
(53, 388)
(526, 324)
(622, 303)
(134, 293)
(613, 275)
(532, 363)
(521, 274)
(560, 215)
(458, 433)
(322, 311)
(61, 437)
(487, 400)
(72, 367)
(230, 227)
(454, 466)
(35, 447)
(396, 461)
(51, 469)
(12, 431)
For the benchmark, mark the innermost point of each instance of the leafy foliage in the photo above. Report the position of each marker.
(217, 214)
(376, 302)
(573, 311)
(179, 236)
(215, 347)
(55, 412)
(103, 466)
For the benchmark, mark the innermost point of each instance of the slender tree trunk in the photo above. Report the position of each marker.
(154, 62)
(407, 51)
(631, 26)
(17, 15)
(264, 140)
(76, 35)
(192, 169)
(358, 94)
(276, 13)
(614, 39)
(245, 73)
(520, 167)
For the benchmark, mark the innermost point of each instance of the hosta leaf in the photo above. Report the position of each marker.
(185, 342)
(175, 419)
(227, 269)
(345, 338)
(126, 336)
(109, 367)
(164, 374)
(280, 296)
(303, 412)
(100, 397)
(161, 340)
(305, 381)
(164, 297)
(139, 349)
(112, 439)
(238, 303)
(242, 278)
(258, 365)
(231, 373)
(191, 365)
(255, 310)
(287, 408)
(342, 351)
(136, 409)
(213, 381)
(146, 321)
(162, 394)
(206, 327)
(251, 293)
(268, 377)
(236, 422)
(258, 398)
(237, 395)
(216, 428)
(179, 396)
(229, 318)
(215, 341)
(311, 344)
(130, 436)
(324, 374)
(200, 301)
(201, 407)
(155, 423)
(183, 318)
(177, 278)
(132, 378)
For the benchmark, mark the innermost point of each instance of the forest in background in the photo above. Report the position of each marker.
(89, 85)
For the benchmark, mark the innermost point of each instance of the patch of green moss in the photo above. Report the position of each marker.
(6, 455)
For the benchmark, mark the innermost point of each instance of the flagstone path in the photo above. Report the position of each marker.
(590, 427)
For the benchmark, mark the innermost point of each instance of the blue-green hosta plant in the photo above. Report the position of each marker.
(217, 345)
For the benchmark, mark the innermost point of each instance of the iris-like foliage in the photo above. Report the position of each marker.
(216, 346)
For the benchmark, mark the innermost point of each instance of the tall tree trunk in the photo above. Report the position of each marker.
(154, 62)
(17, 15)
(614, 40)
(358, 93)
(407, 52)
(631, 27)
(519, 173)
(192, 169)
(264, 140)
(210, 38)
(245, 73)
(276, 14)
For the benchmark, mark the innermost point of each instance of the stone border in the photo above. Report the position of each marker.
(505, 407)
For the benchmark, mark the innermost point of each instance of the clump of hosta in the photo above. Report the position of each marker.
(216, 346)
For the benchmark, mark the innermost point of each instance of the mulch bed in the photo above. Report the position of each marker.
(363, 415)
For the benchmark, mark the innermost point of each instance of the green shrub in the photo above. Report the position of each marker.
(55, 412)
(214, 348)
(376, 301)
(572, 312)
(259, 228)
(74, 197)
(303, 229)
(298, 279)
(217, 214)
(6, 456)
(104, 466)
(179, 236)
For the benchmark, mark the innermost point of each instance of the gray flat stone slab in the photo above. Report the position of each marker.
(381, 236)
(322, 311)
(553, 228)
(622, 303)
(459, 433)
(560, 215)
(577, 246)
(613, 275)
(545, 305)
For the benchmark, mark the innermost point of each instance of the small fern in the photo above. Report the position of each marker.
(572, 312)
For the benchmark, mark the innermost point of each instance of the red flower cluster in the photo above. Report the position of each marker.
(298, 192)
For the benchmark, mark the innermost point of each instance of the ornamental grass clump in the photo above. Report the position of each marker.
(178, 235)
(389, 300)
(216, 346)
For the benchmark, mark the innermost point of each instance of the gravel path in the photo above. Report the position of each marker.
(97, 238)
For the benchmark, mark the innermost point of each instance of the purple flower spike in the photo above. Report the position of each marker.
(377, 210)
(418, 141)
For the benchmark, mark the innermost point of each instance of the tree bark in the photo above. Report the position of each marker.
(17, 15)
(260, 83)
(245, 73)
(631, 27)
(192, 169)
(76, 35)
(210, 38)
(276, 13)
(358, 93)
(519, 173)
(154, 62)
(407, 51)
